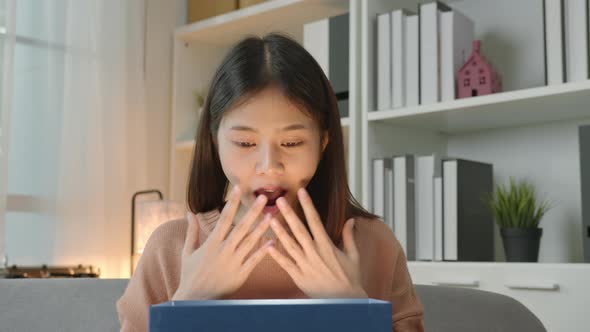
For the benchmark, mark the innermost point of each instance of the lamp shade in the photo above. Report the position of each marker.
(150, 215)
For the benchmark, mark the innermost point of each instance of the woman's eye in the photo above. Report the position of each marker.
(245, 144)
(292, 144)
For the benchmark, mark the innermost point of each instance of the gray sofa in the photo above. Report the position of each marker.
(89, 305)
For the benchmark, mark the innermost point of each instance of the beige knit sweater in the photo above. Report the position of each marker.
(384, 273)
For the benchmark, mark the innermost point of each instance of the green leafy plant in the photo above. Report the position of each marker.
(516, 205)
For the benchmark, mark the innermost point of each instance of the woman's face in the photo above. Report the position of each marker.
(268, 146)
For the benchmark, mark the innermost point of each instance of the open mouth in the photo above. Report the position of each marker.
(272, 194)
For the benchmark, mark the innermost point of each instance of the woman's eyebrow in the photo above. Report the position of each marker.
(296, 126)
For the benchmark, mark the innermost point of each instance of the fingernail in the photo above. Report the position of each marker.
(280, 201)
(235, 190)
(188, 216)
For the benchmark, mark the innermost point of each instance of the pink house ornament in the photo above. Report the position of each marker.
(477, 77)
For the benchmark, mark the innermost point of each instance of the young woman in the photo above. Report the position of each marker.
(271, 212)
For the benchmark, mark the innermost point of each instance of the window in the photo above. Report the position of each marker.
(37, 85)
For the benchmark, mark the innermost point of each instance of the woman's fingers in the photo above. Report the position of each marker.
(227, 216)
(244, 225)
(313, 218)
(255, 258)
(192, 234)
(299, 230)
(292, 247)
(286, 263)
(253, 238)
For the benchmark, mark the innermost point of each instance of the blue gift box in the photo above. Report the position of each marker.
(280, 315)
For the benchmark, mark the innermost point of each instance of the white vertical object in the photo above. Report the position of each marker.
(412, 61)
(378, 187)
(430, 51)
(438, 219)
(398, 70)
(427, 167)
(450, 213)
(316, 40)
(389, 198)
(384, 61)
(554, 43)
(457, 32)
(399, 195)
(576, 40)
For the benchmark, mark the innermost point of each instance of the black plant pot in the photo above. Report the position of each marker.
(521, 244)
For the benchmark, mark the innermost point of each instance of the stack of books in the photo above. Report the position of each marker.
(436, 207)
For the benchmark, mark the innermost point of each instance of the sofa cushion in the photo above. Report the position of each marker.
(60, 304)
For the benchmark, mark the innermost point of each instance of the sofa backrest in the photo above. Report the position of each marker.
(89, 305)
(465, 309)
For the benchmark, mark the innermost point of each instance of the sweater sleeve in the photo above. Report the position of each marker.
(155, 278)
(408, 312)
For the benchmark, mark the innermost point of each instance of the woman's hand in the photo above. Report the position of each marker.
(220, 265)
(317, 267)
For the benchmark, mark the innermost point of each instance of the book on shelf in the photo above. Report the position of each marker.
(384, 61)
(468, 226)
(403, 200)
(554, 41)
(411, 60)
(427, 167)
(584, 143)
(382, 198)
(438, 219)
(430, 29)
(398, 69)
(457, 34)
(327, 40)
(576, 39)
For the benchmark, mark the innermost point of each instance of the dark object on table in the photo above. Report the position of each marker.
(44, 271)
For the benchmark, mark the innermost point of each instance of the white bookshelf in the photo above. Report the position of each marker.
(530, 132)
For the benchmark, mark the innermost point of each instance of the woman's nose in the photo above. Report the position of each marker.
(269, 160)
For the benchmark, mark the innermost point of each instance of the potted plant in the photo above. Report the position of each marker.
(517, 212)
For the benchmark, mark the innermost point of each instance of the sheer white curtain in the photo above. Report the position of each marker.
(77, 134)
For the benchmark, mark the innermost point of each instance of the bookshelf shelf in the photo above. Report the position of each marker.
(259, 19)
(545, 104)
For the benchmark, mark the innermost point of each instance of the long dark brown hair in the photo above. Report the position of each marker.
(252, 65)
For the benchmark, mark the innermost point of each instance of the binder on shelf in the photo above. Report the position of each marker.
(384, 61)
(457, 34)
(554, 41)
(412, 60)
(468, 227)
(398, 70)
(438, 219)
(380, 197)
(576, 39)
(339, 60)
(389, 198)
(427, 167)
(430, 14)
(403, 198)
(584, 142)
(327, 40)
